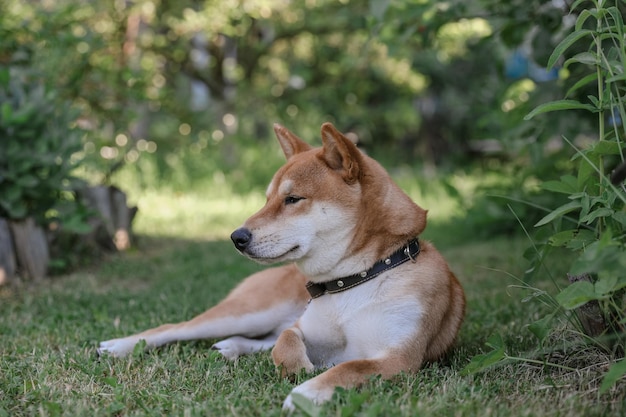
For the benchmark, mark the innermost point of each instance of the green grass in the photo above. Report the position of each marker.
(184, 263)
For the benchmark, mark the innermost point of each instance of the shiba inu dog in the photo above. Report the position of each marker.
(362, 294)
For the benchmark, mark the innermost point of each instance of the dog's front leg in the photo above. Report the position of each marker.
(347, 375)
(289, 353)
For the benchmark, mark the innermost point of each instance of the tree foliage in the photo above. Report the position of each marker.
(37, 147)
(171, 87)
(425, 78)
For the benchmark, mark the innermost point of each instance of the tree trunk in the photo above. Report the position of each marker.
(122, 219)
(112, 228)
(7, 254)
(31, 247)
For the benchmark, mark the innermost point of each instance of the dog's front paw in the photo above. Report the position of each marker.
(307, 391)
(117, 347)
(288, 404)
(291, 369)
(289, 354)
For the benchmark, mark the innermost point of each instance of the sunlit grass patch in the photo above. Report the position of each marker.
(192, 214)
(213, 211)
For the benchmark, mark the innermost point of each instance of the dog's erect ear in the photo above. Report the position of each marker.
(290, 143)
(340, 153)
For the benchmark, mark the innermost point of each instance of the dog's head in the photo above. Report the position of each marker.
(328, 204)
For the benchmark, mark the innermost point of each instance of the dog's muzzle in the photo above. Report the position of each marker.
(241, 238)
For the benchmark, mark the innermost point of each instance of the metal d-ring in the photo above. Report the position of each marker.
(407, 252)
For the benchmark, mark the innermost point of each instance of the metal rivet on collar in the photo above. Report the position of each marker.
(364, 274)
(387, 261)
(340, 284)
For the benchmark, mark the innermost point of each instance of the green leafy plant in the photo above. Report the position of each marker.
(592, 223)
(37, 146)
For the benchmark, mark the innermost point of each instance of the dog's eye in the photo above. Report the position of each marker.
(290, 199)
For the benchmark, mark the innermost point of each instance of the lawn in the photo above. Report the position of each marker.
(183, 262)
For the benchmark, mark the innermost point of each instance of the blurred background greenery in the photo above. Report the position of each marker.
(182, 95)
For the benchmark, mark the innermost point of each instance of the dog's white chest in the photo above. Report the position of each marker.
(357, 325)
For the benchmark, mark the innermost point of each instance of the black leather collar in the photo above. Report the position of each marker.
(409, 251)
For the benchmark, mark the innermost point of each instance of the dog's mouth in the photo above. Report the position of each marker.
(272, 259)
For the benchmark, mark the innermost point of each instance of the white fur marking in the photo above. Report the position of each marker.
(357, 333)
(270, 188)
(236, 346)
(285, 188)
(305, 239)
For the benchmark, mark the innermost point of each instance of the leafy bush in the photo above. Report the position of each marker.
(38, 146)
(592, 223)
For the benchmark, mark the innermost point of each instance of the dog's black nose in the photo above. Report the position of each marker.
(241, 238)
